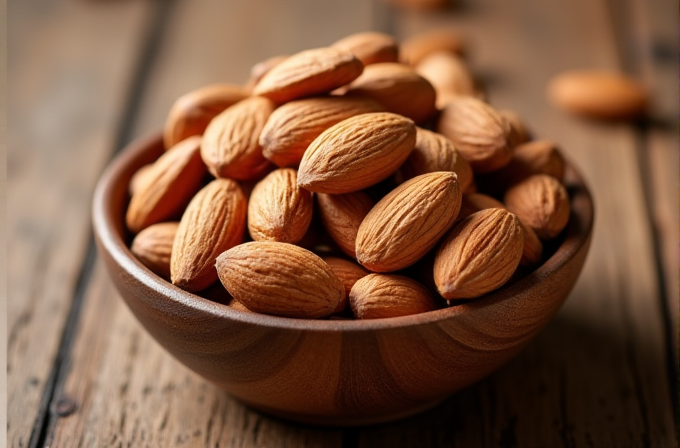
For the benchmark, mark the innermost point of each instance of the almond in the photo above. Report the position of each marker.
(348, 272)
(168, 186)
(138, 179)
(479, 254)
(342, 215)
(520, 133)
(449, 75)
(278, 209)
(280, 279)
(191, 112)
(213, 222)
(480, 133)
(153, 246)
(377, 296)
(408, 222)
(356, 153)
(370, 47)
(292, 127)
(598, 94)
(474, 202)
(309, 73)
(261, 68)
(235, 304)
(397, 87)
(541, 202)
(434, 152)
(533, 248)
(536, 157)
(415, 48)
(231, 146)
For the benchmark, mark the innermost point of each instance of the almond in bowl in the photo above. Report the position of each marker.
(341, 331)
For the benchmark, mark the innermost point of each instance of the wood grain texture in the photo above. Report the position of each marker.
(65, 102)
(596, 375)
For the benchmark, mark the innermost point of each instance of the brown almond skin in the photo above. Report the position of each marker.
(278, 209)
(520, 132)
(342, 215)
(398, 88)
(479, 254)
(417, 47)
(542, 203)
(213, 222)
(370, 47)
(138, 179)
(434, 152)
(191, 112)
(349, 272)
(535, 157)
(449, 75)
(153, 246)
(408, 222)
(258, 70)
(356, 153)
(377, 296)
(231, 145)
(479, 133)
(280, 279)
(533, 247)
(167, 187)
(292, 127)
(598, 94)
(308, 73)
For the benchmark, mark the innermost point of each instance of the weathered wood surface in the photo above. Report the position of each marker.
(71, 66)
(596, 376)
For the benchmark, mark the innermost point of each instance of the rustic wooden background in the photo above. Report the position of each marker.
(87, 76)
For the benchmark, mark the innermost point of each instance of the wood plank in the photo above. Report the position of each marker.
(596, 375)
(3, 224)
(70, 67)
(655, 56)
(128, 391)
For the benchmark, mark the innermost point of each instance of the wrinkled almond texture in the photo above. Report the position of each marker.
(598, 94)
(434, 152)
(478, 132)
(356, 153)
(191, 112)
(532, 250)
(408, 222)
(348, 272)
(309, 72)
(292, 127)
(213, 222)
(167, 186)
(370, 47)
(280, 279)
(478, 255)
(449, 75)
(153, 246)
(278, 209)
(541, 202)
(415, 48)
(231, 145)
(342, 215)
(397, 87)
(377, 296)
(535, 157)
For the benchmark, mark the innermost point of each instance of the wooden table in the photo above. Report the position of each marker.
(88, 76)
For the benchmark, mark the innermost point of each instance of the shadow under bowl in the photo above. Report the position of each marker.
(335, 372)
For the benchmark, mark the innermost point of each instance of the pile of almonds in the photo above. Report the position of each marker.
(370, 177)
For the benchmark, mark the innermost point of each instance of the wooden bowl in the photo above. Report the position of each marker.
(335, 372)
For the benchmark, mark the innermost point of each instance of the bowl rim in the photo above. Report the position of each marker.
(578, 232)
